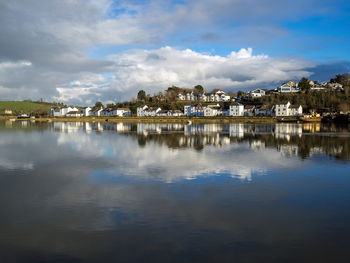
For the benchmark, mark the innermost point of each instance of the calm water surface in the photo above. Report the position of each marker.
(92, 192)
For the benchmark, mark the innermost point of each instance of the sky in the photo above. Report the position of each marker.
(83, 51)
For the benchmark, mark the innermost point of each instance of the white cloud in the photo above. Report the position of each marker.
(48, 44)
(159, 162)
(155, 70)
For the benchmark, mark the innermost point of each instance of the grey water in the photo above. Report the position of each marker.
(102, 192)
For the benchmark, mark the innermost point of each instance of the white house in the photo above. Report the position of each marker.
(121, 112)
(257, 93)
(190, 110)
(190, 96)
(108, 112)
(264, 110)
(249, 110)
(288, 110)
(145, 111)
(162, 113)
(288, 88)
(318, 87)
(175, 113)
(282, 109)
(61, 112)
(96, 112)
(295, 110)
(180, 96)
(236, 110)
(210, 111)
(202, 96)
(86, 111)
(140, 111)
(75, 113)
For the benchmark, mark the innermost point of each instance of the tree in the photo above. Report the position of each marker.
(98, 105)
(110, 105)
(141, 95)
(240, 93)
(199, 88)
(304, 84)
(343, 79)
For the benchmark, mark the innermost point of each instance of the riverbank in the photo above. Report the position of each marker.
(183, 120)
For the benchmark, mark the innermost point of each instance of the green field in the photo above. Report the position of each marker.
(19, 107)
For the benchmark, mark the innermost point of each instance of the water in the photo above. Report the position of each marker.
(93, 192)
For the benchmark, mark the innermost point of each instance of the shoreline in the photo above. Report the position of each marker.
(182, 120)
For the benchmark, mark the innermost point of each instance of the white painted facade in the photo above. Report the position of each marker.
(288, 110)
(122, 112)
(62, 112)
(287, 88)
(236, 110)
(86, 111)
(257, 93)
(145, 111)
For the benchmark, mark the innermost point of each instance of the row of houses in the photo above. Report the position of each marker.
(236, 110)
(146, 111)
(293, 87)
(216, 95)
(87, 111)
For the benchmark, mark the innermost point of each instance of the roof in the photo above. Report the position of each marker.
(257, 90)
(125, 109)
(264, 107)
(295, 106)
(249, 107)
(236, 104)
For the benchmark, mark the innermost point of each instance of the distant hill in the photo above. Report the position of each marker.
(28, 107)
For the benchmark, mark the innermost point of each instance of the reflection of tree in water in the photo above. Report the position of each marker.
(307, 145)
(303, 146)
(142, 140)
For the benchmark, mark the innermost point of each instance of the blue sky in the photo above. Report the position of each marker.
(81, 51)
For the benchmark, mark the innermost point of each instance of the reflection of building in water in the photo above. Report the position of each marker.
(312, 127)
(24, 123)
(285, 130)
(203, 129)
(8, 123)
(236, 130)
(68, 127)
(145, 128)
(193, 141)
(87, 127)
(123, 127)
(288, 150)
(335, 150)
(257, 145)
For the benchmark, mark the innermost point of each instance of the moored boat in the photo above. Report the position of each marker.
(310, 119)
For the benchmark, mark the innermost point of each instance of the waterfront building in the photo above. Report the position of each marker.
(121, 112)
(86, 111)
(96, 112)
(288, 110)
(264, 110)
(249, 110)
(62, 112)
(236, 110)
(145, 111)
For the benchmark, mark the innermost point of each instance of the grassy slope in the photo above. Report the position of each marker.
(18, 107)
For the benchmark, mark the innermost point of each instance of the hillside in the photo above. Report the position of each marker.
(18, 107)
